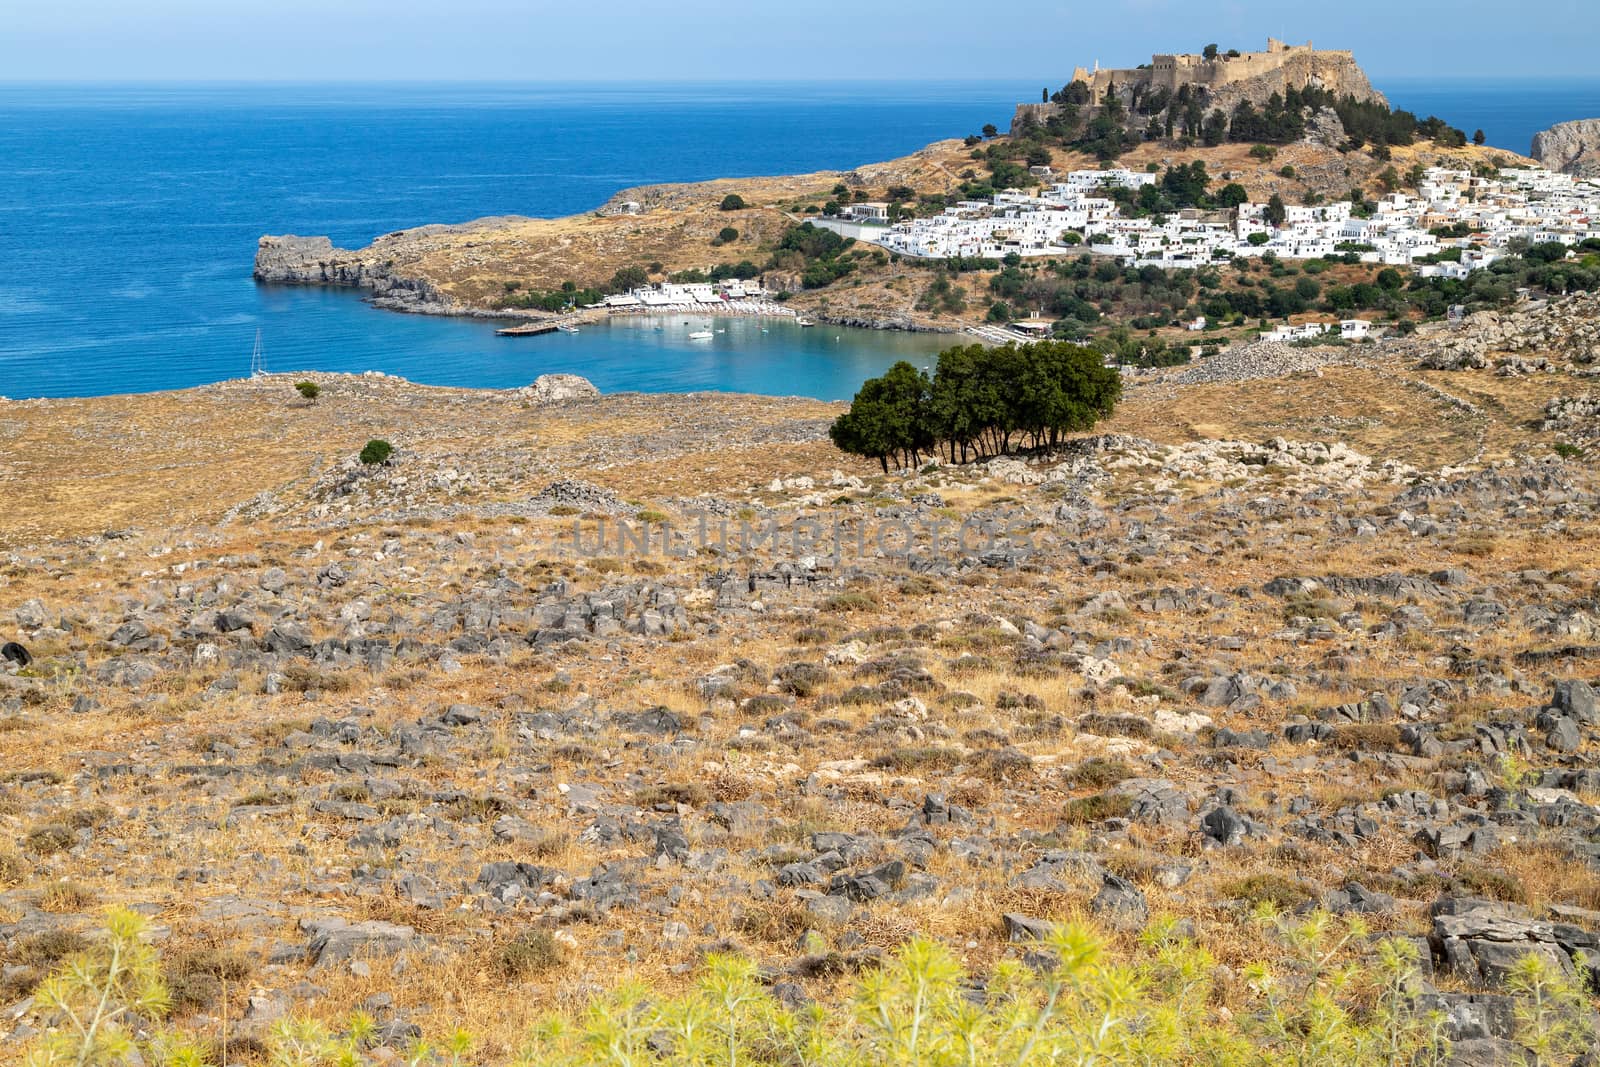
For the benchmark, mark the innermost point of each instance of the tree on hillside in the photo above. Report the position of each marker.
(990, 130)
(732, 202)
(628, 278)
(888, 419)
(982, 402)
(1479, 137)
(1211, 51)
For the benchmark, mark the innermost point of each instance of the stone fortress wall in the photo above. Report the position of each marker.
(1227, 80)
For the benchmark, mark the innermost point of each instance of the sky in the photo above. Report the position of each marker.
(759, 40)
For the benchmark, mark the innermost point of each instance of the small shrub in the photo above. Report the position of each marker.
(1567, 451)
(45, 950)
(13, 869)
(1270, 887)
(732, 202)
(89, 817)
(49, 839)
(1097, 808)
(693, 794)
(195, 978)
(1003, 764)
(854, 600)
(376, 451)
(927, 757)
(529, 953)
(1098, 773)
(64, 897)
(309, 390)
(1367, 736)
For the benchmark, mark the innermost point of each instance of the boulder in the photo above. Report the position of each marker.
(554, 388)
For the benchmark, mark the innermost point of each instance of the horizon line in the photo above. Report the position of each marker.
(674, 80)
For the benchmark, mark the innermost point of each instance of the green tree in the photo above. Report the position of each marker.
(1479, 137)
(1277, 213)
(1211, 51)
(376, 451)
(628, 278)
(727, 235)
(983, 397)
(990, 130)
(1232, 195)
(733, 202)
(888, 419)
(309, 390)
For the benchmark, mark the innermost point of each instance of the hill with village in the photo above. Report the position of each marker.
(1293, 126)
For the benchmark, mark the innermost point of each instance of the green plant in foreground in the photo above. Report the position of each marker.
(1330, 998)
(1080, 1007)
(1551, 1011)
(98, 994)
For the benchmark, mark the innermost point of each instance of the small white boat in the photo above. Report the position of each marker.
(701, 335)
(804, 322)
(565, 327)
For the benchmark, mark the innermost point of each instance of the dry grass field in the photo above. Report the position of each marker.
(272, 692)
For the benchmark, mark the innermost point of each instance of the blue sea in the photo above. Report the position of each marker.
(129, 216)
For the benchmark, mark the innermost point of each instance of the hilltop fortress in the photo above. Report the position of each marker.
(1225, 80)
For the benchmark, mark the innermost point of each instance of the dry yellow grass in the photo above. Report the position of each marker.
(175, 463)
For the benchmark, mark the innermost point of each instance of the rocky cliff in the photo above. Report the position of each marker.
(1571, 147)
(1336, 72)
(291, 260)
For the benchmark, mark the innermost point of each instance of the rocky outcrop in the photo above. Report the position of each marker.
(552, 388)
(1224, 83)
(1571, 148)
(292, 260)
(1337, 72)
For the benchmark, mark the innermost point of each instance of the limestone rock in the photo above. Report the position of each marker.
(1570, 147)
(552, 388)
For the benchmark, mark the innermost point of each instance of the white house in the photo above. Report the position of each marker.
(868, 211)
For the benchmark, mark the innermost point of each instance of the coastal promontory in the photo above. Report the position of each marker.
(1570, 147)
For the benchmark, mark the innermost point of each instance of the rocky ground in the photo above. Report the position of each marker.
(438, 739)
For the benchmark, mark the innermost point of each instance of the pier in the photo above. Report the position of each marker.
(562, 323)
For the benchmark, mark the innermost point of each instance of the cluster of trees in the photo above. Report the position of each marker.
(1111, 125)
(569, 295)
(817, 253)
(1184, 185)
(981, 402)
(721, 272)
(625, 279)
